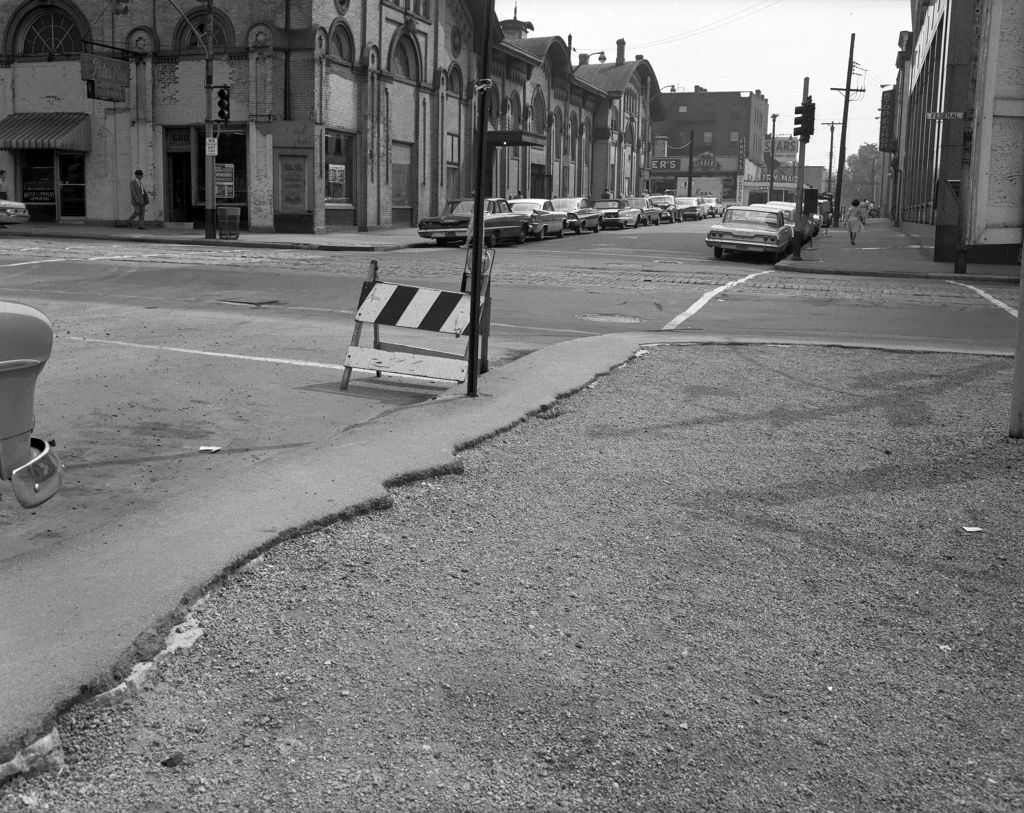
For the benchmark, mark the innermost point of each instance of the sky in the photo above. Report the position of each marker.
(745, 45)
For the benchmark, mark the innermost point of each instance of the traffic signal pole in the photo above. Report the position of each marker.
(211, 155)
(804, 129)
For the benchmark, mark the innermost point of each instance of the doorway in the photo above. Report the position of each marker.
(71, 195)
(179, 172)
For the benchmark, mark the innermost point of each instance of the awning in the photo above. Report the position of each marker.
(514, 138)
(46, 131)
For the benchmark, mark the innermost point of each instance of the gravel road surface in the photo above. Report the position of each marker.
(720, 578)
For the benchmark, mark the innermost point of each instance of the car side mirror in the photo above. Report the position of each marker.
(26, 339)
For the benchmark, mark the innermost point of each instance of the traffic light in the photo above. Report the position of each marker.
(224, 103)
(803, 124)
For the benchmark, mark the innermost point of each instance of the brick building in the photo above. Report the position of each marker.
(727, 146)
(340, 113)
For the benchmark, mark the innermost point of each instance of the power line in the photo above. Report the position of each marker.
(762, 5)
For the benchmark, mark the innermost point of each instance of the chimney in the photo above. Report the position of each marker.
(620, 52)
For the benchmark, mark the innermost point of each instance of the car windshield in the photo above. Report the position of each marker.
(606, 204)
(751, 216)
(459, 207)
(636, 202)
(571, 204)
(524, 206)
(662, 200)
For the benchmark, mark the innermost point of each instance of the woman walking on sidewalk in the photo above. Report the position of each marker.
(854, 220)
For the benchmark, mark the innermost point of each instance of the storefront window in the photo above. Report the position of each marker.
(338, 163)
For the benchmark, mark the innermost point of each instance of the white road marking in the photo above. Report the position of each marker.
(31, 262)
(983, 295)
(271, 360)
(700, 303)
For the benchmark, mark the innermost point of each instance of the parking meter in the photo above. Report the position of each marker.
(26, 338)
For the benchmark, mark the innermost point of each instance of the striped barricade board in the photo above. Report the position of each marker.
(414, 309)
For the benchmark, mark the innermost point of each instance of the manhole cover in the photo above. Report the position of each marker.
(608, 317)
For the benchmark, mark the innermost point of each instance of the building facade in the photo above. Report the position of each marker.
(711, 143)
(956, 142)
(327, 114)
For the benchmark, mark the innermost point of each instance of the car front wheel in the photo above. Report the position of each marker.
(718, 252)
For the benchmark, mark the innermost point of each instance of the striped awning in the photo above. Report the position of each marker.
(46, 131)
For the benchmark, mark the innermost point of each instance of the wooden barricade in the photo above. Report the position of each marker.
(416, 309)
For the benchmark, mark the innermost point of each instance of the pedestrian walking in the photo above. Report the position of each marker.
(607, 194)
(140, 200)
(3, 184)
(855, 220)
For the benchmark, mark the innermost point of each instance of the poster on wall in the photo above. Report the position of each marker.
(224, 181)
(293, 183)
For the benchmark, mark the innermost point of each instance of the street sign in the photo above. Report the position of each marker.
(211, 146)
(940, 116)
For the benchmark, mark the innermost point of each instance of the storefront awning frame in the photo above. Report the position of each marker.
(69, 132)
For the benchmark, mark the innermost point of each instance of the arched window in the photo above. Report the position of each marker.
(404, 61)
(539, 115)
(49, 31)
(455, 81)
(557, 134)
(223, 35)
(340, 46)
(515, 112)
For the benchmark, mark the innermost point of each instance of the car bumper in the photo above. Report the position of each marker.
(443, 234)
(743, 245)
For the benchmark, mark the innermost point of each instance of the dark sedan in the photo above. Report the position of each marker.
(453, 224)
(667, 204)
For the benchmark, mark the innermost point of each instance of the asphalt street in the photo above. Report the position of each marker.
(135, 573)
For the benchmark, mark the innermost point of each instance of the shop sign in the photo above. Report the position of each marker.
(706, 161)
(886, 142)
(224, 181)
(666, 164)
(105, 78)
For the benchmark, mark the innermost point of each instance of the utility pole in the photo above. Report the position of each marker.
(831, 144)
(771, 161)
(689, 172)
(837, 202)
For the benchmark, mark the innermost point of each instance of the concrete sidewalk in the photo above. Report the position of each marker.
(882, 249)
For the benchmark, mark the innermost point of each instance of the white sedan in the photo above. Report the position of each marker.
(12, 211)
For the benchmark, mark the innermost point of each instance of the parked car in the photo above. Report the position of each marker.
(618, 212)
(691, 208)
(713, 206)
(756, 229)
(667, 204)
(580, 214)
(650, 213)
(31, 464)
(542, 217)
(788, 210)
(453, 224)
(12, 211)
